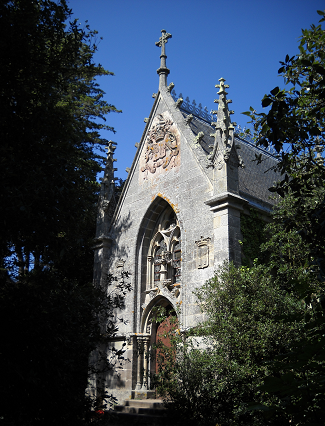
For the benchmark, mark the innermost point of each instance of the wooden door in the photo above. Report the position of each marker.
(166, 351)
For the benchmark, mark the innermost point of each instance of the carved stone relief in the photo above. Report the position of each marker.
(202, 253)
(162, 148)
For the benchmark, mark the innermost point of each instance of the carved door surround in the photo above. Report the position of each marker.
(145, 352)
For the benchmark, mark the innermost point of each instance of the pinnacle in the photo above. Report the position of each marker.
(223, 121)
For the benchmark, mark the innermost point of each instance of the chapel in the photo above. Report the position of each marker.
(178, 217)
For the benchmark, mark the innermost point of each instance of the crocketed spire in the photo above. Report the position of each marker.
(224, 135)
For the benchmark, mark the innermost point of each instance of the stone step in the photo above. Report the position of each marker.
(144, 403)
(139, 412)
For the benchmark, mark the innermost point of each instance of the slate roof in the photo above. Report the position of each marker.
(254, 179)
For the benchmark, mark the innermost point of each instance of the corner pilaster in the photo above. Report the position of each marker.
(226, 208)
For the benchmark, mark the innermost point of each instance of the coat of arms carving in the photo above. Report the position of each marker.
(162, 147)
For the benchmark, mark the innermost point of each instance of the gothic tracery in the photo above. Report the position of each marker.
(164, 256)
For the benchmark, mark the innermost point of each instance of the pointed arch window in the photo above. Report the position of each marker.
(164, 257)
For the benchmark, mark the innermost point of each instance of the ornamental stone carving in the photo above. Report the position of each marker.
(224, 134)
(162, 148)
(202, 253)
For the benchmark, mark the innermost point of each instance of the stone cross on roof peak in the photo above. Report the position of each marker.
(163, 71)
(163, 40)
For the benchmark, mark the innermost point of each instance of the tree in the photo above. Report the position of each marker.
(49, 102)
(51, 116)
(296, 120)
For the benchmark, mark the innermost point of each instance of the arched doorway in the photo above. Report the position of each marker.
(159, 322)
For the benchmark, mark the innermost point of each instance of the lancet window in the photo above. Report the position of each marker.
(164, 257)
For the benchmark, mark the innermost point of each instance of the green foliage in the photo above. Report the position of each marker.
(252, 228)
(119, 185)
(300, 386)
(52, 112)
(295, 119)
(50, 106)
(221, 363)
(288, 251)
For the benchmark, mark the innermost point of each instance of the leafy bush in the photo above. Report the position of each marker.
(222, 362)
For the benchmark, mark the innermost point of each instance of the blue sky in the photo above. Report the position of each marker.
(240, 40)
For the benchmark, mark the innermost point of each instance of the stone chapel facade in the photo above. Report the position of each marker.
(177, 219)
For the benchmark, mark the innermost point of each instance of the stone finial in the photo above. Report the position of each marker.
(222, 86)
(154, 95)
(137, 144)
(146, 119)
(111, 147)
(163, 71)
